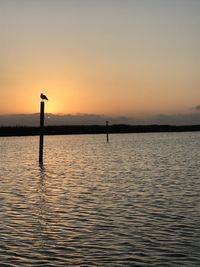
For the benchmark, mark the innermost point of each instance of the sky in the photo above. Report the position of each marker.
(128, 58)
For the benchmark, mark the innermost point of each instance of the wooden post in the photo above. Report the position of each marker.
(41, 132)
(107, 137)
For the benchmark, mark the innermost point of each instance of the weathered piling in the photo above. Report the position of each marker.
(41, 132)
(107, 132)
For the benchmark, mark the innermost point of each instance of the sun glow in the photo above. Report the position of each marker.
(52, 107)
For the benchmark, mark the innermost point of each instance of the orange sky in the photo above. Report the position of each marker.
(114, 57)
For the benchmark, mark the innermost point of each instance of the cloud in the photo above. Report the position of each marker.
(176, 119)
(67, 119)
(95, 119)
(197, 108)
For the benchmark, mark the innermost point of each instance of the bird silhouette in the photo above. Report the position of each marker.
(43, 97)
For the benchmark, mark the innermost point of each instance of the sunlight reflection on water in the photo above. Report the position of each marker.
(131, 202)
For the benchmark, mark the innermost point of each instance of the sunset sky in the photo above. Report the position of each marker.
(112, 57)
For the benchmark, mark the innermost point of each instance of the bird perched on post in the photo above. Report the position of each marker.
(43, 97)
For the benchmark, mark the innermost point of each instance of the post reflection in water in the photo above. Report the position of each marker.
(42, 207)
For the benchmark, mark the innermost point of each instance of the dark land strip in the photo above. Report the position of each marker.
(94, 129)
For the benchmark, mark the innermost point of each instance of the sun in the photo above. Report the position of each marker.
(51, 107)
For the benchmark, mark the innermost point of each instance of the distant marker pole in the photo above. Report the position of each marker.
(107, 137)
(41, 132)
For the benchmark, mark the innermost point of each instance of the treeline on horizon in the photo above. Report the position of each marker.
(93, 129)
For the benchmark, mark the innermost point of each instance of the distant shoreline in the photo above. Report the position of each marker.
(94, 129)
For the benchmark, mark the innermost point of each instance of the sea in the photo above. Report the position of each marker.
(134, 201)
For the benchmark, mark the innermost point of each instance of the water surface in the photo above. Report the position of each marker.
(134, 201)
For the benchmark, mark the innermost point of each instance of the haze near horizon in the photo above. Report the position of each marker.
(118, 58)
